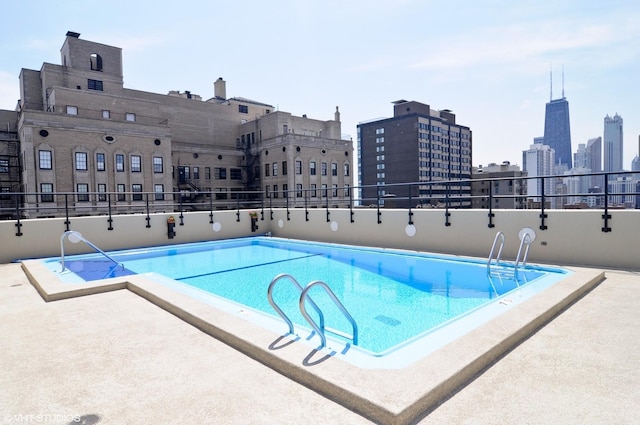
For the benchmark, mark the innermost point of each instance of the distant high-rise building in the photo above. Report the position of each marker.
(538, 161)
(613, 143)
(594, 154)
(418, 144)
(588, 159)
(635, 164)
(557, 131)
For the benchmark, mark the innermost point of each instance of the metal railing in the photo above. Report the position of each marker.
(618, 190)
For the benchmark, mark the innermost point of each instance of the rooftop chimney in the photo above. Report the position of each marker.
(220, 88)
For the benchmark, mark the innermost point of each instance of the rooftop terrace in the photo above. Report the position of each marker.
(137, 354)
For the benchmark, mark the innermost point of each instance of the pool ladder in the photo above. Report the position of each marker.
(304, 297)
(75, 237)
(525, 244)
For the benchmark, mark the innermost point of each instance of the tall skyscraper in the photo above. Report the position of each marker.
(538, 161)
(594, 161)
(613, 143)
(557, 129)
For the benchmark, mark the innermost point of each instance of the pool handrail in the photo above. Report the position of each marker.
(526, 243)
(321, 329)
(500, 236)
(277, 308)
(81, 238)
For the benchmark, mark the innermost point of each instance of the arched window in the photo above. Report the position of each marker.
(96, 62)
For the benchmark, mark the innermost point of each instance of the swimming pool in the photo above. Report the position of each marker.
(395, 297)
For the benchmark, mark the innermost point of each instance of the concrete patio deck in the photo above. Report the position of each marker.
(124, 360)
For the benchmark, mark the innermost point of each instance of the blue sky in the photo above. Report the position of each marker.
(488, 61)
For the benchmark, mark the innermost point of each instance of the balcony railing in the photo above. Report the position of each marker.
(443, 195)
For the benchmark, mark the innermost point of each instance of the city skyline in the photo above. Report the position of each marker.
(488, 63)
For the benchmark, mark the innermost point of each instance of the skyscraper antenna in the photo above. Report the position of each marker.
(550, 82)
(563, 81)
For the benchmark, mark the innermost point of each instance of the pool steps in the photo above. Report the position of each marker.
(526, 236)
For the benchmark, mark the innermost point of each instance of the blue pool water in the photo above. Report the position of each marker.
(394, 296)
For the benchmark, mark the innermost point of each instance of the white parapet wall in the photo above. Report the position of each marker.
(571, 237)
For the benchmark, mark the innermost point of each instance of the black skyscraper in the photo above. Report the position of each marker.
(557, 131)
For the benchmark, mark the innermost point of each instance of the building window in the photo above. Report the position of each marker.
(46, 192)
(81, 161)
(159, 192)
(275, 169)
(137, 192)
(222, 193)
(334, 169)
(275, 191)
(298, 190)
(267, 167)
(45, 160)
(83, 192)
(379, 130)
(94, 85)
(129, 116)
(347, 191)
(346, 169)
(4, 165)
(312, 168)
(4, 191)
(284, 168)
(220, 173)
(323, 168)
(136, 163)
(285, 190)
(207, 173)
(312, 191)
(121, 195)
(102, 192)
(196, 173)
(106, 114)
(334, 191)
(72, 110)
(119, 163)
(324, 191)
(96, 62)
(100, 162)
(235, 174)
(158, 167)
(243, 109)
(267, 190)
(298, 167)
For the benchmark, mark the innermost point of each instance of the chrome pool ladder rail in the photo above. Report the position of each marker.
(321, 329)
(525, 243)
(277, 308)
(81, 238)
(499, 236)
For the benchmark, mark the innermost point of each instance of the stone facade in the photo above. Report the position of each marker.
(81, 131)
